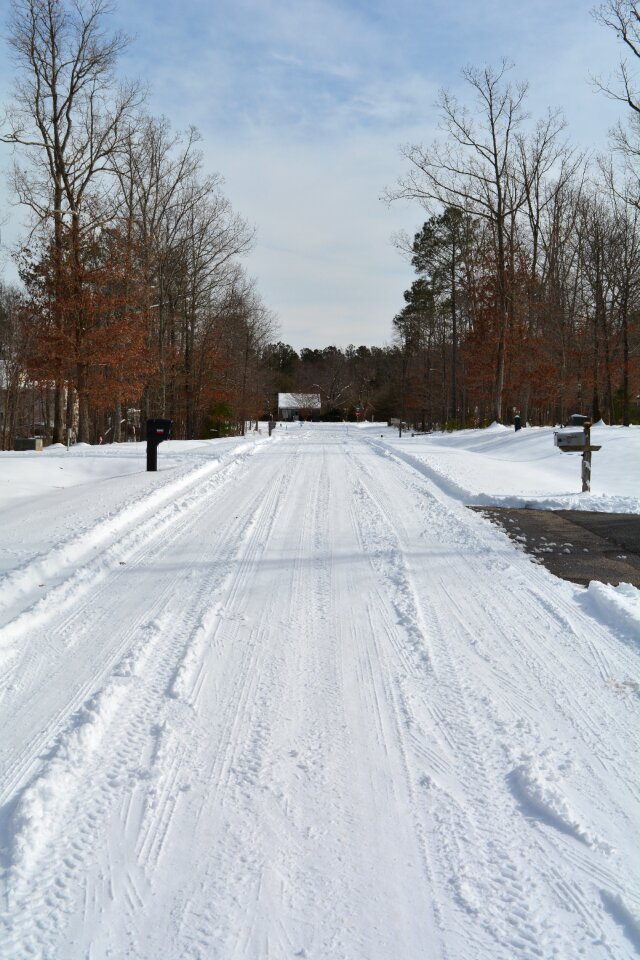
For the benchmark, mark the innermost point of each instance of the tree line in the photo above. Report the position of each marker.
(541, 322)
(527, 292)
(527, 295)
(134, 300)
(134, 304)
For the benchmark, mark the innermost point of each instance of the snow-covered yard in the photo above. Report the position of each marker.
(290, 698)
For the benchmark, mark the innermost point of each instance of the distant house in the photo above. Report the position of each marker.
(297, 406)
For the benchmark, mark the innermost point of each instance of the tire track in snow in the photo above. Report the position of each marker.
(409, 646)
(148, 699)
(511, 925)
(295, 846)
(317, 783)
(21, 680)
(577, 631)
(459, 667)
(119, 540)
(21, 586)
(245, 771)
(157, 820)
(34, 674)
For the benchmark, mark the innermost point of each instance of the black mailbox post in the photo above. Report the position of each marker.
(157, 431)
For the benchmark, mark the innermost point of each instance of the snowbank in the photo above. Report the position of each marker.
(501, 467)
(618, 607)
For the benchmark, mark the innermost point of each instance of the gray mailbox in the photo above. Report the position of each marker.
(573, 437)
(570, 440)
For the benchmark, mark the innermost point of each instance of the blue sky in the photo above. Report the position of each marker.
(303, 107)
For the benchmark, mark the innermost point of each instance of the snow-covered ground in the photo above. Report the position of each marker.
(516, 469)
(290, 698)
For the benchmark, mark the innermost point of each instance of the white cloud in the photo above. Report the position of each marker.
(303, 105)
(323, 258)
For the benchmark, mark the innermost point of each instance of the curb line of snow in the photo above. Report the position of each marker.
(81, 578)
(77, 547)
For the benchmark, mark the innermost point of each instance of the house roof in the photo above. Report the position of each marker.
(299, 401)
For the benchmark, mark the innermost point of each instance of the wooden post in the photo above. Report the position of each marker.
(586, 458)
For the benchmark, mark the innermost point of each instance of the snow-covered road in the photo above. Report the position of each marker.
(296, 701)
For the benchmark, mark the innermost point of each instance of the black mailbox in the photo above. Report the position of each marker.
(157, 431)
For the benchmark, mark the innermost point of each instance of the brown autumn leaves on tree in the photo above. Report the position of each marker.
(65, 116)
(86, 319)
(133, 254)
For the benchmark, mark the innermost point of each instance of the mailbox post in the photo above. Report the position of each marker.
(576, 438)
(586, 458)
(157, 431)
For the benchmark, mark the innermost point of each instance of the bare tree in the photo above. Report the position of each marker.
(560, 278)
(249, 328)
(623, 17)
(485, 167)
(66, 116)
(214, 238)
(625, 267)
(189, 239)
(610, 278)
(157, 174)
(12, 369)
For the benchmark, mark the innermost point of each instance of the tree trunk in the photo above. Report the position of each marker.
(84, 429)
(454, 343)
(625, 366)
(595, 400)
(59, 413)
(69, 412)
(117, 422)
(502, 311)
(499, 381)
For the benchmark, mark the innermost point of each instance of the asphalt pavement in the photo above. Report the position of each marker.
(576, 545)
